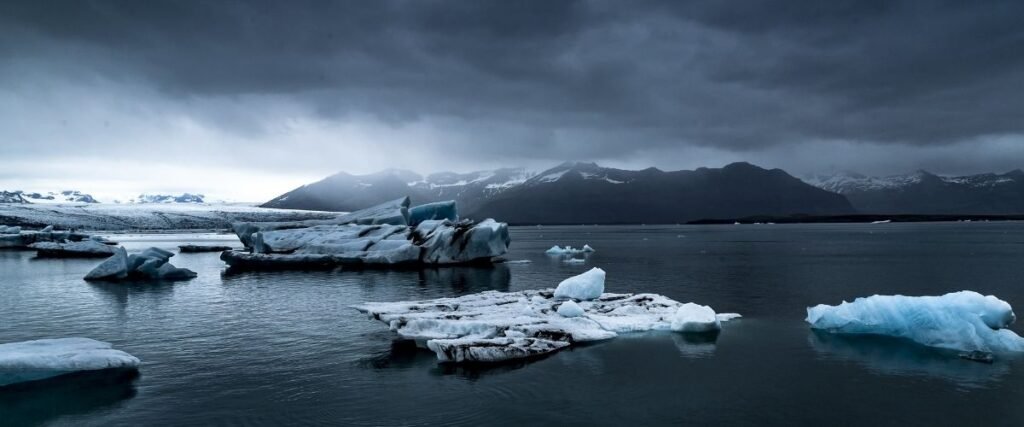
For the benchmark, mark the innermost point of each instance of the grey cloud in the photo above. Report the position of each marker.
(589, 79)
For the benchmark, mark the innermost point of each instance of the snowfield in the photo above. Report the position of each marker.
(145, 217)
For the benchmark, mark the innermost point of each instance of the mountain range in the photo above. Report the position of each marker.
(923, 192)
(576, 192)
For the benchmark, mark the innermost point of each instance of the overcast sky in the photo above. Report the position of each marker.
(247, 99)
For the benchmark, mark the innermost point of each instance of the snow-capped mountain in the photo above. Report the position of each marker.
(575, 192)
(51, 197)
(346, 192)
(923, 192)
(168, 198)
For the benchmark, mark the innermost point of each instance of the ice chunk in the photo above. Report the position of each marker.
(585, 286)
(496, 326)
(568, 250)
(395, 212)
(202, 248)
(429, 241)
(115, 267)
(570, 309)
(434, 211)
(574, 261)
(150, 264)
(692, 317)
(85, 249)
(47, 358)
(965, 321)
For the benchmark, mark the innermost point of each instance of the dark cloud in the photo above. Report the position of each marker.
(560, 79)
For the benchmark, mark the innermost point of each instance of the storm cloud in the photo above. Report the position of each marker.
(289, 91)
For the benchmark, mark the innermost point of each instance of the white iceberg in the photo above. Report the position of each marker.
(47, 358)
(150, 264)
(965, 321)
(373, 241)
(568, 250)
(497, 326)
(692, 317)
(585, 286)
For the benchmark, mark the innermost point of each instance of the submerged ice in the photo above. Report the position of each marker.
(965, 321)
(47, 358)
(497, 326)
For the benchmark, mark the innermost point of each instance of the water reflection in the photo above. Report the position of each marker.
(468, 279)
(899, 357)
(42, 402)
(120, 293)
(696, 346)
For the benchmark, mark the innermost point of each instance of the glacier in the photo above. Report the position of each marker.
(150, 264)
(389, 234)
(966, 321)
(47, 358)
(495, 326)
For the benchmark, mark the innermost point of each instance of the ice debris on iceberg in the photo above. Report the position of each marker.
(47, 358)
(150, 264)
(82, 249)
(568, 250)
(497, 326)
(384, 235)
(584, 286)
(965, 321)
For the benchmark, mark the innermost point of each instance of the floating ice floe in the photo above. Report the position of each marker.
(150, 264)
(202, 248)
(82, 249)
(884, 221)
(568, 250)
(17, 237)
(385, 235)
(574, 261)
(497, 326)
(965, 321)
(47, 358)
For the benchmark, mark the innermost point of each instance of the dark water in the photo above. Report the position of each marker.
(285, 348)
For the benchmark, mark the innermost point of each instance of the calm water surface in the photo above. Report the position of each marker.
(285, 348)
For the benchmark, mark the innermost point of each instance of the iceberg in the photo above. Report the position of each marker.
(374, 240)
(150, 264)
(202, 248)
(585, 286)
(568, 250)
(17, 237)
(696, 318)
(83, 249)
(966, 321)
(494, 326)
(47, 358)
(395, 212)
(434, 211)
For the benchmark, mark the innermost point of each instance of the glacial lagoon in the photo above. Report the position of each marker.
(270, 348)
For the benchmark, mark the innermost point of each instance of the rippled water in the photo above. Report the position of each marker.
(284, 347)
